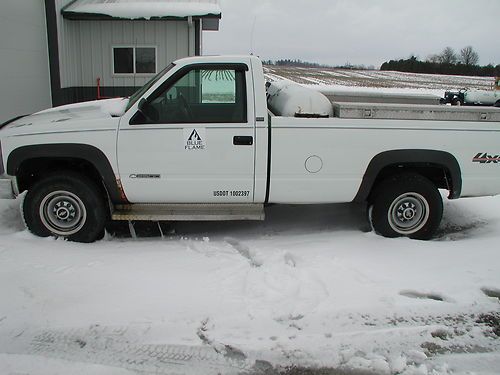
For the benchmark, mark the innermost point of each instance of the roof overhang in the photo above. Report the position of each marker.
(157, 10)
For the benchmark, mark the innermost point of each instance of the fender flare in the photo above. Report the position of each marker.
(88, 153)
(411, 156)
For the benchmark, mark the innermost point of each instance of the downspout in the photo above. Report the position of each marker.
(191, 46)
(53, 52)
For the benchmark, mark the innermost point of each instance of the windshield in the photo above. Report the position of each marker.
(139, 93)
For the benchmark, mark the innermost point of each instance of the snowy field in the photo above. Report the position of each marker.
(309, 288)
(375, 80)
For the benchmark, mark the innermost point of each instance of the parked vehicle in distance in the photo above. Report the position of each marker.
(474, 96)
(201, 142)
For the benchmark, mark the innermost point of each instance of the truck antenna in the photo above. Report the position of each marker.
(252, 36)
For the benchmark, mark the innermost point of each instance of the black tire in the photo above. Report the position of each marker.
(65, 205)
(456, 101)
(497, 104)
(406, 205)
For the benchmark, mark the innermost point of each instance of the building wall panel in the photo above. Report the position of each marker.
(86, 48)
(85, 52)
(24, 66)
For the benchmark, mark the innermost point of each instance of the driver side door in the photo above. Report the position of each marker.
(192, 141)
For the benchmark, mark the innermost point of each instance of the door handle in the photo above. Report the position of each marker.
(240, 140)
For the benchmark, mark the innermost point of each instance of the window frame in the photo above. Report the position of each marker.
(134, 61)
(172, 80)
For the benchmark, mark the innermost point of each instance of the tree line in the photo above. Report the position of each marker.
(465, 62)
(294, 63)
(306, 64)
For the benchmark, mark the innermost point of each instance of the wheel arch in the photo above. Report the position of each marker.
(30, 163)
(440, 167)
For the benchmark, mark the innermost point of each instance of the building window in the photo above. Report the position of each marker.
(134, 60)
(123, 60)
(145, 60)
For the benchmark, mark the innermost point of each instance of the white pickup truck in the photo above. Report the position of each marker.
(198, 142)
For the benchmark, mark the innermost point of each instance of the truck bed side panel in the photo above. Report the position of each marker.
(324, 160)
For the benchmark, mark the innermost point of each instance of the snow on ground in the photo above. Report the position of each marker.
(380, 81)
(30, 364)
(311, 287)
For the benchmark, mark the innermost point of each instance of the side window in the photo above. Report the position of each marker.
(218, 86)
(200, 96)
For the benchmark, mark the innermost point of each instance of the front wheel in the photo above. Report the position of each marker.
(497, 104)
(65, 205)
(406, 205)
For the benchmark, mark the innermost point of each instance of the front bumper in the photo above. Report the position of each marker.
(7, 188)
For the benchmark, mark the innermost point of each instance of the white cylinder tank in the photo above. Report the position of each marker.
(289, 99)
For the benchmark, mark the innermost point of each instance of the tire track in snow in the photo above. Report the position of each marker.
(122, 348)
(244, 251)
(276, 280)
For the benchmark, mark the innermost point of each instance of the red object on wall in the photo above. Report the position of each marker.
(99, 97)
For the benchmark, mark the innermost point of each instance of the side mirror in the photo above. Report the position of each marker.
(142, 105)
(147, 110)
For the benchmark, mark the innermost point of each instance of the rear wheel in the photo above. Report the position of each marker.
(497, 104)
(406, 205)
(65, 205)
(456, 101)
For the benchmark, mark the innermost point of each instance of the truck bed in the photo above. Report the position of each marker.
(286, 99)
(414, 112)
(379, 97)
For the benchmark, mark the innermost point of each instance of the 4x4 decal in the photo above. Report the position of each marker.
(485, 158)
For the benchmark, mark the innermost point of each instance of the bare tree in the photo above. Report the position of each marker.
(448, 56)
(468, 56)
(434, 58)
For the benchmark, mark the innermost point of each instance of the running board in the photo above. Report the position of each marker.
(188, 212)
(6, 191)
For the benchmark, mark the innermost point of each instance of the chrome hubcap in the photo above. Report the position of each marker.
(63, 213)
(408, 213)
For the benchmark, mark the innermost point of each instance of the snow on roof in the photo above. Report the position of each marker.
(143, 9)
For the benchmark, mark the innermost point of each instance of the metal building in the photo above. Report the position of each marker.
(96, 48)
(24, 61)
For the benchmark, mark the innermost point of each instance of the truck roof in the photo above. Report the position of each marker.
(216, 59)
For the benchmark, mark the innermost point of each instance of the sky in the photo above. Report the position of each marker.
(367, 32)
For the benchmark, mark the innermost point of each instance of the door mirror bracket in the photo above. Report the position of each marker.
(145, 113)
